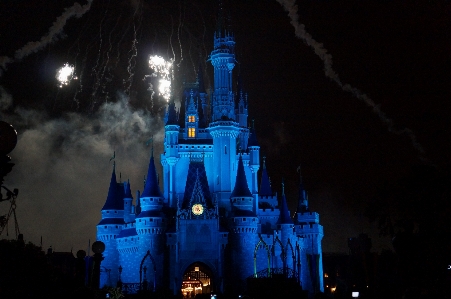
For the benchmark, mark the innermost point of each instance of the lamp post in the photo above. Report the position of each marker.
(98, 247)
(119, 282)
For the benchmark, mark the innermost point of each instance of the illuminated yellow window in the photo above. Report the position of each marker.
(191, 119)
(191, 132)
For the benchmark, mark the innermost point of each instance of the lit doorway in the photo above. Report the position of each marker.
(197, 279)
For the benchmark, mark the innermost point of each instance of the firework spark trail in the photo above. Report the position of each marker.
(131, 63)
(170, 38)
(178, 35)
(133, 51)
(75, 10)
(118, 56)
(321, 52)
(105, 65)
(80, 77)
(95, 69)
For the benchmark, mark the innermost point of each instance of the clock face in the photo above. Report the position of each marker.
(197, 209)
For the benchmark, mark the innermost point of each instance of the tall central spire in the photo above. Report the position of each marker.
(223, 60)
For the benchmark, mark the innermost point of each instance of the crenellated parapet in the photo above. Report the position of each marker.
(224, 128)
(128, 239)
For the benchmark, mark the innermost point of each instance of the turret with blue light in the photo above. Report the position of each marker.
(110, 227)
(243, 225)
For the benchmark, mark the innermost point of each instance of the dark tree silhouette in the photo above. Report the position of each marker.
(415, 212)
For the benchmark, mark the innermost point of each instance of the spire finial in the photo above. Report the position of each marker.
(264, 162)
(114, 156)
(150, 141)
(283, 187)
(300, 174)
(253, 124)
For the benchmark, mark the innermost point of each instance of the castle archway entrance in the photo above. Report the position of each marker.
(197, 279)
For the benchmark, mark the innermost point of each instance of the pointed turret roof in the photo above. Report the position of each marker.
(223, 18)
(197, 183)
(284, 217)
(265, 185)
(114, 200)
(253, 136)
(241, 188)
(152, 188)
(302, 196)
(127, 190)
(191, 109)
(171, 113)
(138, 203)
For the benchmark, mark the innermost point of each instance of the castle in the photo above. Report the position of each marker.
(213, 226)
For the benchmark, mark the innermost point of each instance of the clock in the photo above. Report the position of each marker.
(197, 209)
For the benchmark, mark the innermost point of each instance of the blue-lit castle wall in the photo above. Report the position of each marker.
(211, 213)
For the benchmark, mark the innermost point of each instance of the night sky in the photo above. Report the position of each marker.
(396, 54)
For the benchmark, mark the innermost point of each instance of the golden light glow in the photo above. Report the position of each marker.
(191, 118)
(191, 132)
(332, 290)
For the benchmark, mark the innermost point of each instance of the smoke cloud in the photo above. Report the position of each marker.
(56, 29)
(63, 171)
(321, 52)
(6, 99)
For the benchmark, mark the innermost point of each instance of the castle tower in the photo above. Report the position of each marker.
(285, 234)
(254, 163)
(151, 225)
(308, 227)
(243, 225)
(268, 214)
(109, 228)
(171, 153)
(203, 113)
(129, 209)
(223, 60)
(241, 112)
(223, 127)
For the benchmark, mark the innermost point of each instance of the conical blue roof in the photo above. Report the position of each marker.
(302, 199)
(241, 188)
(152, 189)
(253, 138)
(197, 178)
(127, 190)
(172, 114)
(114, 200)
(138, 203)
(265, 185)
(284, 217)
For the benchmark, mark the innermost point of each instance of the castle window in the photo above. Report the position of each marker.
(191, 132)
(191, 118)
